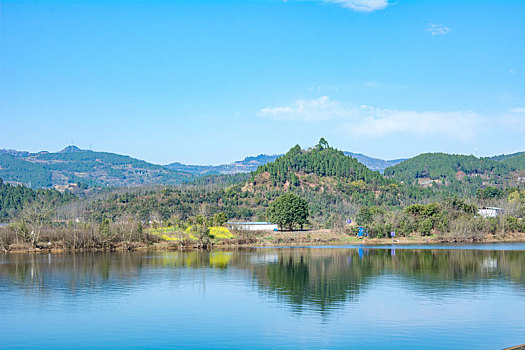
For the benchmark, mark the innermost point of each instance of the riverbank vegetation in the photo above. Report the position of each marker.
(451, 219)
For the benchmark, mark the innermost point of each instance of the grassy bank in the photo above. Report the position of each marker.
(170, 238)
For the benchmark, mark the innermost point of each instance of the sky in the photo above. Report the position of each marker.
(210, 82)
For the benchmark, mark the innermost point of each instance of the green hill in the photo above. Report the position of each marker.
(73, 165)
(322, 161)
(23, 172)
(331, 181)
(515, 161)
(452, 172)
(502, 157)
(14, 198)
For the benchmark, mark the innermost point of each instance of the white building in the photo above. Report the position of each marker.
(490, 212)
(252, 226)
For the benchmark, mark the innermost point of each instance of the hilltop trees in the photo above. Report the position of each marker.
(322, 160)
(288, 210)
(445, 167)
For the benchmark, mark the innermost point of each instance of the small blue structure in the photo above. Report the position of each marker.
(392, 234)
(348, 221)
(361, 232)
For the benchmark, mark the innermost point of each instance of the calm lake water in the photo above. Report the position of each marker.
(431, 297)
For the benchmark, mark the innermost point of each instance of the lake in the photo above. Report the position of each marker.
(407, 297)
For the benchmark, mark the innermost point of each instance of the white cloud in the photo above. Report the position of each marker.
(518, 110)
(372, 121)
(314, 110)
(361, 5)
(437, 29)
(380, 122)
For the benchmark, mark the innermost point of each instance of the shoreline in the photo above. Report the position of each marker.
(283, 239)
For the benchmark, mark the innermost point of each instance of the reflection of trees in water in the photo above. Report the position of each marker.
(325, 278)
(69, 271)
(453, 268)
(317, 278)
(89, 270)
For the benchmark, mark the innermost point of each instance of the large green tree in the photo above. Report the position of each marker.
(288, 210)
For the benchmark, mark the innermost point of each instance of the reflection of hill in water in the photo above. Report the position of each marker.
(315, 277)
(320, 279)
(325, 278)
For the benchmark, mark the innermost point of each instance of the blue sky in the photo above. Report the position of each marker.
(209, 82)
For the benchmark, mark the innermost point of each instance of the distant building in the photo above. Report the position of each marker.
(490, 212)
(252, 226)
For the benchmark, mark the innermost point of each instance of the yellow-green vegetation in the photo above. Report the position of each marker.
(219, 232)
(175, 234)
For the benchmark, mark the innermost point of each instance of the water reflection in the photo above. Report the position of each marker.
(321, 279)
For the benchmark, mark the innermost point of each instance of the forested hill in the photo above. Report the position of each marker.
(441, 169)
(322, 161)
(13, 199)
(324, 174)
(73, 165)
(503, 157)
(515, 162)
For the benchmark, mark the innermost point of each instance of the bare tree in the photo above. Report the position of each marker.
(127, 226)
(31, 221)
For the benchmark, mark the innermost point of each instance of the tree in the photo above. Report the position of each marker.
(366, 215)
(489, 192)
(201, 229)
(31, 221)
(288, 210)
(323, 143)
(220, 219)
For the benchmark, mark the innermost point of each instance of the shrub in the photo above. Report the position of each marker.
(219, 232)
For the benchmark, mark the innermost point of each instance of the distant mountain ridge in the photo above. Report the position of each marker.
(374, 163)
(74, 165)
(246, 165)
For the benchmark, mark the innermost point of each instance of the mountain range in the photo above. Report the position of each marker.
(246, 165)
(73, 165)
(250, 164)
